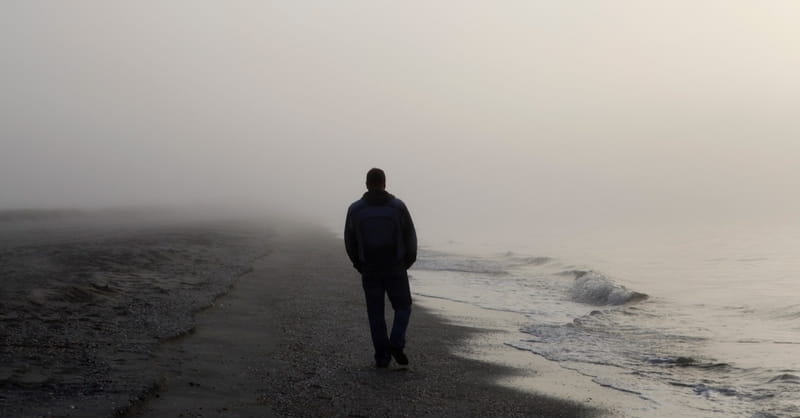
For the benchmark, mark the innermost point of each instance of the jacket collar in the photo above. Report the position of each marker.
(377, 197)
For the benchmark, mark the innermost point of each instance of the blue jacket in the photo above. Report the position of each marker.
(379, 234)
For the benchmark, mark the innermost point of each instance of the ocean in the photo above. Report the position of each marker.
(701, 321)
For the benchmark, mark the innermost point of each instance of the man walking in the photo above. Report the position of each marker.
(382, 244)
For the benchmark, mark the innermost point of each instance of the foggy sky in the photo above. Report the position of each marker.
(485, 115)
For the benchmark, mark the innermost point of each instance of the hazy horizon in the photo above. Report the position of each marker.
(490, 119)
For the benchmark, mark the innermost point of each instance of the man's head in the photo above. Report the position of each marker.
(376, 179)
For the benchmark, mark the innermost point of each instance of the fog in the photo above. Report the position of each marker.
(489, 118)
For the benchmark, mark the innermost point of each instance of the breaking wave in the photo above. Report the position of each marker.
(596, 289)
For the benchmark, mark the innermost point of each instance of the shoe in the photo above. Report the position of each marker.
(381, 364)
(399, 356)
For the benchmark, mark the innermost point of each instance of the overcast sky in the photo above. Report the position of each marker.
(495, 116)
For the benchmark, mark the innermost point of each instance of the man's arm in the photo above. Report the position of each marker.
(351, 241)
(409, 237)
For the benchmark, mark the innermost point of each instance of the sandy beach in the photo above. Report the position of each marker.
(233, 319)
(291, 339)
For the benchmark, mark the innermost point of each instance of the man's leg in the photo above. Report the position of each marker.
(400, 296)
(374, 293)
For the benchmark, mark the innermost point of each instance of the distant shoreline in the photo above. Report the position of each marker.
(12, 215)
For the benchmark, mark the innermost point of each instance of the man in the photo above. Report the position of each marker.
(382, 244)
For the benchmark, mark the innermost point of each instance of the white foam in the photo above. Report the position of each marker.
(596, 289)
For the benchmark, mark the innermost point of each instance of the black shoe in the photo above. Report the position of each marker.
(399, 356)
(382, 364)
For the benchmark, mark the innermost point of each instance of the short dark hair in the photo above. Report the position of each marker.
(376, 179)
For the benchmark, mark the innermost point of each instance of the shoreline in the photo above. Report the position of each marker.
(291, 339)
(533, 373)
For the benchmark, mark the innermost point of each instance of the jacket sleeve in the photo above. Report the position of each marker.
(409, 237)
(351, 240)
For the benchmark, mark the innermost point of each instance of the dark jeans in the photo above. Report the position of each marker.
(395, 285)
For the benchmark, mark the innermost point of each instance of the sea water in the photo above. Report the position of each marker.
(704, 321)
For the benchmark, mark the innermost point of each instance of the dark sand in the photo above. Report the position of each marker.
(87, 301)
(291, 339)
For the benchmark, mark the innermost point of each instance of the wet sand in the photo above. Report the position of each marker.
(291, 339)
